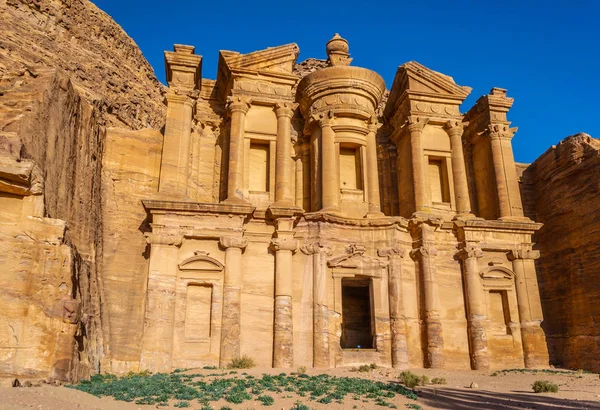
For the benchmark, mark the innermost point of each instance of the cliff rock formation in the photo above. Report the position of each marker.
(561, 189)
(69, 75)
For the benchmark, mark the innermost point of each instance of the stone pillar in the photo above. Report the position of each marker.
(230, 324)
(459, 171)
(283, 160)
(159, 318)
(530, 308)
(500, 175)
(330, 185)
(476, 307)
(300, 164)
(415, 128)
(238, 107)
(320, 306)
(397, 317)
(372, 173)
(306, 184)
(174, 169)
(284, 246)
(425, 255)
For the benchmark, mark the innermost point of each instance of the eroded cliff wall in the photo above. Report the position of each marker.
(562, 190)
(68, 73)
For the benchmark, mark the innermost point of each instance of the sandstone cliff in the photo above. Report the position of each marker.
(68, 75)
(562, 189)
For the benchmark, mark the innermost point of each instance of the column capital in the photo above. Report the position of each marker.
(470, 251)
(423, 251)
(391, 252)
(162, 237)
(316, 248)
(324, 119)
(372, 124)
(285, 109)
(233, 242)
(239, 104)
(523, 252)
(175, 97)
(453, 127)
(284, 244)
(415, 123)
(495, 131)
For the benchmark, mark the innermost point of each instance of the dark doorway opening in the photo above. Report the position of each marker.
(356, 314)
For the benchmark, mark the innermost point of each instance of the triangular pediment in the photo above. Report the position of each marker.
(416, 79)
(279, 59)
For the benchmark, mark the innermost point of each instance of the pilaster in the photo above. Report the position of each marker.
(331, 181)
(415, 127)
(372, 173)
(283, 160)
(237, 107)
(230, 324)
(455, 131)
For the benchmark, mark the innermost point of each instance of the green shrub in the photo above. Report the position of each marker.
(301, 370)
(243, 362)
(411, 380)
(438, 380)
(266, 400)
(544, 386)
(413, 406)
(182, 404)
(300, 406)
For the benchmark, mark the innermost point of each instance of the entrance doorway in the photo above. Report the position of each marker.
(357, 317)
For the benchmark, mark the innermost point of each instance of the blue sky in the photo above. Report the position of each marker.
(546, 53)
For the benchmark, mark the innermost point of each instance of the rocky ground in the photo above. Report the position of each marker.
(503, 390)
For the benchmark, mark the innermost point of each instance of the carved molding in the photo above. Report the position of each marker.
(316, 247)
(262, 88)
(164, 238)
(523, 253)
(497, 273)
(391, 252)
(201, 256)
(233, 242)
(284, 244)
(470, 251)
(423, 251)
(238, 104)
(355, 257)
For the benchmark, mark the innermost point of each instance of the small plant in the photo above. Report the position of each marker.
(411, 380)
(365, 368)
(544, 386)
(225, 408)
(373, 366)
(182, 404)
(413, 406)
(243, 362)
(299, 406)
(301, 370)
(438, 380)
(266, 400)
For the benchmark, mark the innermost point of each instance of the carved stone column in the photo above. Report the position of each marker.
(372, 173)
(459, 171)
(283, 336)
(415, 128)
(476, 309)
(283, 160)
(238, 107)
(331, 180)
(320, 306)
(530, 307)
(425, 255)
(500, 174)
(397, 317)
(230, 324)
(159, 318)
(174, 170)
(306, 184)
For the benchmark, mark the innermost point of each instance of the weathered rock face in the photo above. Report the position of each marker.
(566, 185)
(67, 72)
(97, 55)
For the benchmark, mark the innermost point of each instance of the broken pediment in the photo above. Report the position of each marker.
(417, 79)
(354, 258)
(201, 262)
(279, 59)
(497, 273)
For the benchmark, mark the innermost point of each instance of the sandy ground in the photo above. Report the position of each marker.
(504, 391)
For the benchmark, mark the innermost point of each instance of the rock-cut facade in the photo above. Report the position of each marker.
(307, 216)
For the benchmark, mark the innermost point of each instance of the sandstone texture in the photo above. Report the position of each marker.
(67, 73)
(563, 185)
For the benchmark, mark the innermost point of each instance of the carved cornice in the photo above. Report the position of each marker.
(284, 244)
(233, 242)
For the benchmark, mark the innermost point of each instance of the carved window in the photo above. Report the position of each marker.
(350, 169)
(438, 180)
(259, 166)
(198, 312)
(357, 330)
(499, 312)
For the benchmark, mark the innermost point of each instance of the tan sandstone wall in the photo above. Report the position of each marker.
(566, 185)
(67, 72)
